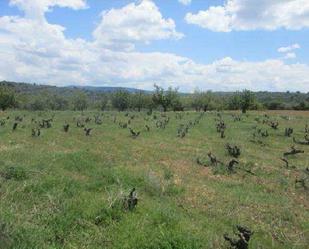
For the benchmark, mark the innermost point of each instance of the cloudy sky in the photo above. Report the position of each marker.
(205, 44)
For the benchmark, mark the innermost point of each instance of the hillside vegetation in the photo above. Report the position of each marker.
(44, 97)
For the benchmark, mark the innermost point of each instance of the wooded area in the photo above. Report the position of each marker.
(42, 97)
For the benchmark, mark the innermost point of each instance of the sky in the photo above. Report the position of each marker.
(219, 45)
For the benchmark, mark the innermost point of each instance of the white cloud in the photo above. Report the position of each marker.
(288, 51)
(290, 56)
(289, 48)
(243, 15)
(49, 57)
(185, 2)
(143, 22)
(35, 9)
(214, 19)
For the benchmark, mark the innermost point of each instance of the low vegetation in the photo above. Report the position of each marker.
(39, 97)
(150, 179)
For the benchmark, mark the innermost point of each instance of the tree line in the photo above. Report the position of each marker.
(11, 96)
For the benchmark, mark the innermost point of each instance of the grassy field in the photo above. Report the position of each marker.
(66, 189)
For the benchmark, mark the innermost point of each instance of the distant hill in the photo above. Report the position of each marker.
(25, 88)
(272, 100)
(34, 89)
(108, 89)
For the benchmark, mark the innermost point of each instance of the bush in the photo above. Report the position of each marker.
(121, 100)
(7, 98)
(109, 215)
(14, 173)
(80, 102)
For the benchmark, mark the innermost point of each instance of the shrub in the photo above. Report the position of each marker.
(14, 173)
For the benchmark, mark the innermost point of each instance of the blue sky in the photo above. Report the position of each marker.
(203, 38)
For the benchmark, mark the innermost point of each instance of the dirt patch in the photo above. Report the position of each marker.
(8, 148)
(179, 167)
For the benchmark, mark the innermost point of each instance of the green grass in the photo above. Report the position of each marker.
(66, 190)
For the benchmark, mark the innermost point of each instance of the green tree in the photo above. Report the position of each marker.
(57, 102)
(302, 106)
(247, 100)
(203, 101)
(234, 101)
(141, 100)
(137, 100)
(164, 98)
(103, 104)
(177, 105)
(37, 104)
(196, 101)
(121, 100)
(80, 102)
(148, 102)
(7, 98)
(274, 105)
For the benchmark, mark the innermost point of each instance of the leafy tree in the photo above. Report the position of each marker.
(141, 100)
(148, 102)
(274, 105)
(103, 104)
(303, 105)
(177, 105)
(247, 100)
(7, 98)
(164, 98)
(138, 100)
(37, 104)
(202, 101)
(196, 101)
(80, 102)
(57, 102)
(217, 103)
(121, 100)
(234, 102)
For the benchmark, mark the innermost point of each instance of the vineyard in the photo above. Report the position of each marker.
(154, 180)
